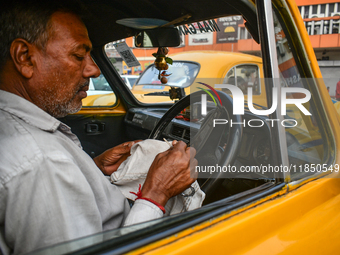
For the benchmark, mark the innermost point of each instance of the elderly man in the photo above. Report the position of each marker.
(51, 191)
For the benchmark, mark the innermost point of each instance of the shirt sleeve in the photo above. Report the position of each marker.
(142, 211)
(53, 201)
(47, 205)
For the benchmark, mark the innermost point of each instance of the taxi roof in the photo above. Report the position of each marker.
(215, 63)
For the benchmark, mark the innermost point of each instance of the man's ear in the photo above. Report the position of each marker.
(21, 52)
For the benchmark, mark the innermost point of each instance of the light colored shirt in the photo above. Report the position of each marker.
(51, 191)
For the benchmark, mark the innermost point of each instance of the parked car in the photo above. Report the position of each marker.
(100, 92)
(129, 79)
(284, 195)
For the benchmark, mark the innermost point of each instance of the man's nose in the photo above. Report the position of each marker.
(91, 69)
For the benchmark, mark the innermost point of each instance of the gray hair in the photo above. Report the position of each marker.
(29, 20)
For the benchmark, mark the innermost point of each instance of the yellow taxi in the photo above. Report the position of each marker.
(216, 66)
(270, 172)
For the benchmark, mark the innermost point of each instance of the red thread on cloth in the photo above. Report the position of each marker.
(139, 196)
(139, 193)
(154, 202)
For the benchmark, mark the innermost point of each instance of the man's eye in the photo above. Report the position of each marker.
(78, 57)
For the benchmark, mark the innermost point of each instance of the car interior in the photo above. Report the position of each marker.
(100, 131)
(102, 127)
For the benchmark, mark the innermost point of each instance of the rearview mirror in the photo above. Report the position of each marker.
(158, 37)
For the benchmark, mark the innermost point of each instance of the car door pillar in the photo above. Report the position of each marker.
(272, 80)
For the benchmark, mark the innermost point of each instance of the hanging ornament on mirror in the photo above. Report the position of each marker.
(162, 63)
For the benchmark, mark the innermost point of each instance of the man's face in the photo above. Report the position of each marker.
(62, 71)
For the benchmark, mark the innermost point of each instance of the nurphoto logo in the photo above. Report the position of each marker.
(238, 104)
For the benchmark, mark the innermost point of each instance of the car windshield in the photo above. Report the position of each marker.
(216, 49)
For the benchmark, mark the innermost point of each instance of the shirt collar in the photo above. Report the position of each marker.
(27, 111)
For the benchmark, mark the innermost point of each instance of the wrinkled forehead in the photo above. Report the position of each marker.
(69, 27)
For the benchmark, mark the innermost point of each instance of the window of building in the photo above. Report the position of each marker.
(323, 9)
(314, 9)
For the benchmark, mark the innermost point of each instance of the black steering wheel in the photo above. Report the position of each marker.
(207, 141)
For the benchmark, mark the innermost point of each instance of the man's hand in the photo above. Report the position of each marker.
(109, 161)
(171, 173)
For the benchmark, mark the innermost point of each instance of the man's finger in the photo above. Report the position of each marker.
(129, 144)
(123, 148)
(191, 151)
(180, 145)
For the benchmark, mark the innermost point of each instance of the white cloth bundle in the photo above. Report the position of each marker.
(134, 169)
